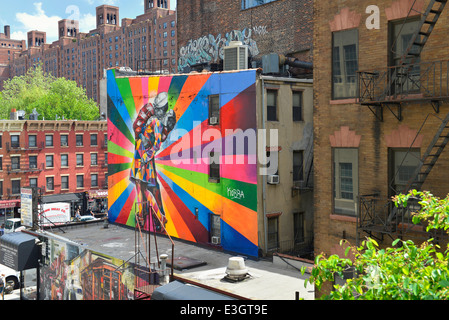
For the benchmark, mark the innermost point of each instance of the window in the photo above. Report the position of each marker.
(345, 180)
(402, 166)
(32, 141)
(1, 189)
(32, 162)
(79, 140)
(80, 181)
(93, 139)
(215, 226)
(298, 227)
(64, 160)
(64, 140)
(272, 96)
(298, 172)
(272, 233)
(246, 4)
(214, 167)
(400, 34)
(94, 180)
(297, 106)
(49, 161)
(64, 182)
(93, 159)
(1, 163)
(272, 162)
(344, 64)
(15, 163)
(50, 183)
(49, 140)
(79, 159)
(15, 142)
(15, 186)
(214, 109)
(33, 182)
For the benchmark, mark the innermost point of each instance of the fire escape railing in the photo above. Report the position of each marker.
(419, 81)
(379, 216)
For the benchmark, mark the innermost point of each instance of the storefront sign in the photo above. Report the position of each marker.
(97, 194)
(9, 203)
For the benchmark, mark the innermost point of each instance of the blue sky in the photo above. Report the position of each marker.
(43, 15)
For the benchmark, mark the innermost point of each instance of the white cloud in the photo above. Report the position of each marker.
(39, 21)
(87, 22)
(19, 35)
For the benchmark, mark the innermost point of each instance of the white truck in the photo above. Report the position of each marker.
(13, 225)
(52, 214)
(10, 278)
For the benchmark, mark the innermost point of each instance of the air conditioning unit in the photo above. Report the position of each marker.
(235, 56)
(213, 120)
(216, 240)
(273, 179)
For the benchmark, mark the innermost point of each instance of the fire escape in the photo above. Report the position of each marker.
(409, 81)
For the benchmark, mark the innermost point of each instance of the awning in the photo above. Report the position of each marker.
(18, 251)
(67, 197)
(9, 203)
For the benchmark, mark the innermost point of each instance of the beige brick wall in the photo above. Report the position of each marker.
(330, 117)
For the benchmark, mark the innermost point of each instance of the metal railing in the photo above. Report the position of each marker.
(418, 81)
(380, 215)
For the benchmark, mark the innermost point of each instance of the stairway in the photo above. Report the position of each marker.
(430, 157)
(426, 27)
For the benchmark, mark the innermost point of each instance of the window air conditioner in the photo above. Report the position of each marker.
(273, 179)
(215, 240)
(213, 120)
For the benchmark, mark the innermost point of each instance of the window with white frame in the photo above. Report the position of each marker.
(345, 180)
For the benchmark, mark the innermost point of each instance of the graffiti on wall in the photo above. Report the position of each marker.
(209, 49)
(70, 272)
(160, 143)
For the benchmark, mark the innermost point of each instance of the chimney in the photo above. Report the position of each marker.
(14, 115)
(7, 31)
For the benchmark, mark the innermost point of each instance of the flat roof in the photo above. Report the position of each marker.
(266, 280)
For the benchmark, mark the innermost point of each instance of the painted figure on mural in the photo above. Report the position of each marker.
(153, 124)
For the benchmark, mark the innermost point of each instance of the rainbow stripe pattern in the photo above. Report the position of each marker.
(182, 170)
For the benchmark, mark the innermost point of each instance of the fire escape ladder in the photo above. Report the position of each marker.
(430, 157)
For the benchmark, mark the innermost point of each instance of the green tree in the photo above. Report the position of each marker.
(405, 271)
(51, 97)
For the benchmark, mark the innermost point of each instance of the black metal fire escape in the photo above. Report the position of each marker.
(395, 85)
(390, 88)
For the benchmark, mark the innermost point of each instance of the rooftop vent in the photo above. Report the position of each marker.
(236, 270)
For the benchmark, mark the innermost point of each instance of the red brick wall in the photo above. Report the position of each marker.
(282, 26)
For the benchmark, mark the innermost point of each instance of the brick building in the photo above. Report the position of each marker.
(8, 47)
(65, 159)
(82, 57)
(381, 103)
(281, 26)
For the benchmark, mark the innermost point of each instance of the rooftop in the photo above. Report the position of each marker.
(267, 280)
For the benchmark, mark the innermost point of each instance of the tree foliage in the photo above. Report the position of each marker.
(51, 97)
(405, 271)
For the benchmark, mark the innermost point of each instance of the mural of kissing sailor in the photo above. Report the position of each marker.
(160, 144)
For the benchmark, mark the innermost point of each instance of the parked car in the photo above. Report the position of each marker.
(88, 218)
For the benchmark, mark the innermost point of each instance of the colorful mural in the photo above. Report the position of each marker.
(70, 272)
(159, 147)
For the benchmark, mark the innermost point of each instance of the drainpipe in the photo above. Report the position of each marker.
(264, 179)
